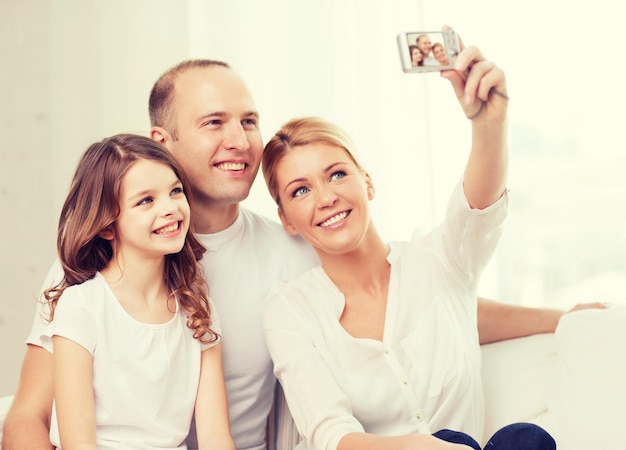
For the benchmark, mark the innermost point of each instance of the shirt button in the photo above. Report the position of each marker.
(418, 416)
(386, 352)
(405, 382)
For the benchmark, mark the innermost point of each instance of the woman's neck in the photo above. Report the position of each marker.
(365, 267)
(363, 277)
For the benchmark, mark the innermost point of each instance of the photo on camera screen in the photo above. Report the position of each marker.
(430, 51)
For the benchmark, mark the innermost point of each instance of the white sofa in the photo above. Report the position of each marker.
(572, 382)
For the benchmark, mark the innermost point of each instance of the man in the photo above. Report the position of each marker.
(204, 113)
(424, 43)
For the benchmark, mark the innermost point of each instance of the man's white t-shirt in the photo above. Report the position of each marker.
(241, 264)
(430, 60)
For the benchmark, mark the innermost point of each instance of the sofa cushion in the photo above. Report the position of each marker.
(586, 406)
(517, 377)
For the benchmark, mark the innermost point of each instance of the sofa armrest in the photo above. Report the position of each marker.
(518, 376)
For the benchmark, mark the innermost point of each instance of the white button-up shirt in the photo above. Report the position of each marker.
(425, 373)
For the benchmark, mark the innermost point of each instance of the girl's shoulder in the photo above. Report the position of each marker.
(95, 289)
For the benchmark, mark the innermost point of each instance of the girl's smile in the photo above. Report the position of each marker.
(152, 199)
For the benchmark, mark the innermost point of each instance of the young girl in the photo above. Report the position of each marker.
(135, 345)
(378, 348)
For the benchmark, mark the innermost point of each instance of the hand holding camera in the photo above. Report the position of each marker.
(478, 83)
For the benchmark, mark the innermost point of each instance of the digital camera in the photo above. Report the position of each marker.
(428, 51)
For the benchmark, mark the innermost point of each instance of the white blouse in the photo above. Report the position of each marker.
(425, 374)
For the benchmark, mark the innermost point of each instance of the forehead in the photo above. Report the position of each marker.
(208, 89)
(144, 173)
(311, 157)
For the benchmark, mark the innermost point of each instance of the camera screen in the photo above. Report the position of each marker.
(427, 49)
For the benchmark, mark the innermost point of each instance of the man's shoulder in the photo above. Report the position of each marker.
(268, 234)
(259, 224)
(260, 220)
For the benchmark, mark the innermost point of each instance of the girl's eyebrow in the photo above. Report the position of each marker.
(149, 191)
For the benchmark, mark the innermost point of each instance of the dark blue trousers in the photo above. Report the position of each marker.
(517, 436)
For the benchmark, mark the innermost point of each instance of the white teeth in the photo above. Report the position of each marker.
(166, 230)
(334, 219)
(231, 166)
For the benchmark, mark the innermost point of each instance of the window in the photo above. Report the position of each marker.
(565, 239)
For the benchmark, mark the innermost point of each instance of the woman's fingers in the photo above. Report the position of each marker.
(477, 82)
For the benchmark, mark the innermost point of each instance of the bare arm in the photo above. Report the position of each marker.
(27, 424)
(480, 86)
(73, 387)
(212, 421)
(365, 441)
(500, 321)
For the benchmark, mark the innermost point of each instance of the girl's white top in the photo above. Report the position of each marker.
(145, 376)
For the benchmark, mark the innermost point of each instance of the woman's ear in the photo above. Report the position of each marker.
(370, 187)
(289, 228)
(107, 233)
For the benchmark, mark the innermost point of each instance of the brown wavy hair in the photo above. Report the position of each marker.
(92, 205)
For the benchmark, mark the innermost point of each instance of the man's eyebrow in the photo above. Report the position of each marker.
(211, 114)
(222, 114)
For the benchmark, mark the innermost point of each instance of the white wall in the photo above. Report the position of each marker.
(72, 73)
(26, 236)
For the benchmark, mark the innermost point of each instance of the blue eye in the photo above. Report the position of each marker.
(212, 123)
(300, 191)
(176, 191)
(249, 123)
(337, 175)
(145, 201)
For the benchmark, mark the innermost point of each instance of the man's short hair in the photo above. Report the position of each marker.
(160, 104)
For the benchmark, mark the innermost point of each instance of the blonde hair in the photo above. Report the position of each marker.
(299, 132)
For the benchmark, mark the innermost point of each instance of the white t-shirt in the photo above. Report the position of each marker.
(241, 264)
(430, 60)
(425, 374)
(143, 398)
